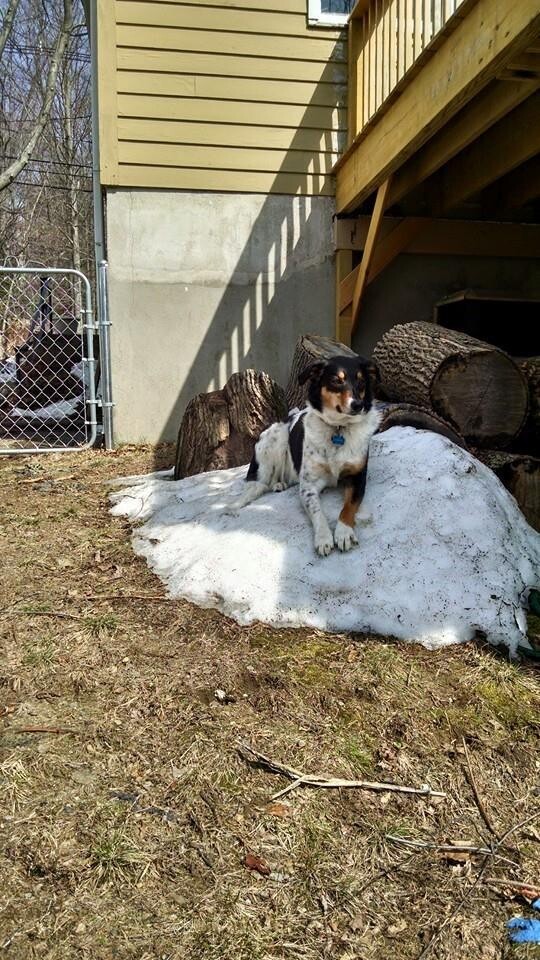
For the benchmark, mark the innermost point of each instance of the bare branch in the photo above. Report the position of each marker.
(13, 171)
(7, 23)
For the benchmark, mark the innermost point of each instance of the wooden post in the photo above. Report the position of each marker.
(374, 226)
(344, 260)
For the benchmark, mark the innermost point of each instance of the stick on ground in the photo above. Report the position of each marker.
(308, 780)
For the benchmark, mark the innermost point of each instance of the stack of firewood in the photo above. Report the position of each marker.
(491, 399)
(431, 378)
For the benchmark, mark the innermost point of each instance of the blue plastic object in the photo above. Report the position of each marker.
(524, 929)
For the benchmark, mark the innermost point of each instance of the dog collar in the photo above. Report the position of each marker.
(337, 438)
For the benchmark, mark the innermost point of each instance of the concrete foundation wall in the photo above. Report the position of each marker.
(204, 284)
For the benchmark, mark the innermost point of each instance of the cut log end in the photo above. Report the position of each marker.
(483, 394)
(477, 388)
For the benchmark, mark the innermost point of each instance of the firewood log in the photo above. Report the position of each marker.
(220, 429)
(473, 386)
(521, 476)
(310, 348)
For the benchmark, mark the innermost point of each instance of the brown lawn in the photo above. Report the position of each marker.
(127, 812)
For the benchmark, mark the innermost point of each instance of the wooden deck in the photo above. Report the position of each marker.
(444, 122)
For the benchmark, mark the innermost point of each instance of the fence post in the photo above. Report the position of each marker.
(105, 353)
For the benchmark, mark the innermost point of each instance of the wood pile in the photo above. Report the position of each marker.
(489, 398)
(220, 429)
(431, 378)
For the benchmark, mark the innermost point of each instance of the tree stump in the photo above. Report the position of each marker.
(521, 476)
(529, 439)
(472, 385)
(407, 415)
(308, 349)
(220, 429)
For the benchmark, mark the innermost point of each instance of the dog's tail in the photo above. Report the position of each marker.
(408, 415)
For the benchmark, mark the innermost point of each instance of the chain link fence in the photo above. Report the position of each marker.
(49, 361)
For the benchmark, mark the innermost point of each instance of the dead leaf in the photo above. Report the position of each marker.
(459, 856)
(396, 929)
(279, 810)
(253, 862)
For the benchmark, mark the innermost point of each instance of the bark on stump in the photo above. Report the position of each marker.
(521, 476)
(308, 349)
(408, 415)
(472, 385)
(529, 439)
(220, 429)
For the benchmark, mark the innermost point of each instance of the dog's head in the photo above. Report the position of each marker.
(341, 389)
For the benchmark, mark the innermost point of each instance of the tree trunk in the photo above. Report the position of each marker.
(407, 415)
(308, 349)
(475, 387)
(521, 476)
(220, 429)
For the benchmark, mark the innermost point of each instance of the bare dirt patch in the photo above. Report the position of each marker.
(133, 828)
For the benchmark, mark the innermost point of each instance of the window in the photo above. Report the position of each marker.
(329, 13)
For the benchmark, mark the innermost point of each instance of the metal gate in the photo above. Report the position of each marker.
(54, 378)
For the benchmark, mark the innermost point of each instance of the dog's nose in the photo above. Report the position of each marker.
(356, 406)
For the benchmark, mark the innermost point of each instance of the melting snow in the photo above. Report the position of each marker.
(53, 411)
(448, 551)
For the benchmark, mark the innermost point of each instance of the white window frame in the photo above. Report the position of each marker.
(318, 19)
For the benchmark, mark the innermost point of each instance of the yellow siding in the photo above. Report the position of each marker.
(210, 95)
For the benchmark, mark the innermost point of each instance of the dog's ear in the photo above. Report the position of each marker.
(314, 370)
(373, 372)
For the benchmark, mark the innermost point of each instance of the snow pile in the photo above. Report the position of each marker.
(448, 551)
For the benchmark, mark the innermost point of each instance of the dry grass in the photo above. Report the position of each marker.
(126, 836)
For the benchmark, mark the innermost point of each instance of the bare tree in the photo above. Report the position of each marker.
(46, 210)
(7, 23)
(14, 169)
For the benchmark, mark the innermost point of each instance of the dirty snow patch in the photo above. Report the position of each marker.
(448, 552)
(58, 410)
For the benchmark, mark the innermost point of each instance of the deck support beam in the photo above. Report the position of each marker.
(439, 237)
(371, 240)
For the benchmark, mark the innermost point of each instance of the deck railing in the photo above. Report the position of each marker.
(387, 39)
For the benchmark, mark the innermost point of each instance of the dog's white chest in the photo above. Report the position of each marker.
(327, 456)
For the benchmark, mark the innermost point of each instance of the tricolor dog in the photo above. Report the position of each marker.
(320, 446)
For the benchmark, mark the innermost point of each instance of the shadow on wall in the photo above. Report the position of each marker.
(282, 284)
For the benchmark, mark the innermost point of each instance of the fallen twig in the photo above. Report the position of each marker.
(307, 780)
(439, 847)
(128, 596)
(43, 613)
(492, 853)
(534, 888)
(72, 476)
(40, 730)
(450, 848)
(473, 785)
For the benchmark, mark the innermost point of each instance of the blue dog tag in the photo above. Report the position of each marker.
(338, 439)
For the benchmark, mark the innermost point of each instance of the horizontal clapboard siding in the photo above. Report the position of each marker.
(209, 95)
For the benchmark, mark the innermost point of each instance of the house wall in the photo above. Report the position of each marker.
(219, 125)
(241, 97)
(204, 284)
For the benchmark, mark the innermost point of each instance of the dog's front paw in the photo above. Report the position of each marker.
(278, 487)
(344, 536)
(324, 543)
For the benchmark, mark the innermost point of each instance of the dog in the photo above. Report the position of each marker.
(320, 446)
